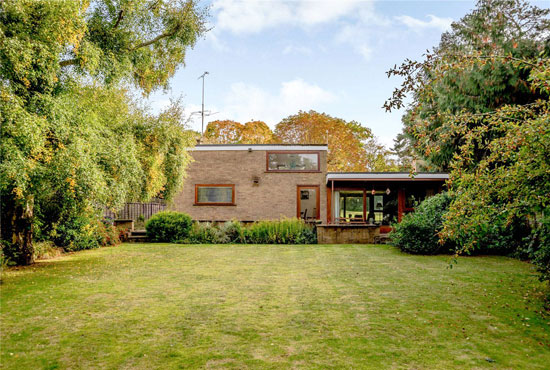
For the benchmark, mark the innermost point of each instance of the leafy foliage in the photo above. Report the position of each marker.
(541, 250)
(73, 139)
(481, 109)
(351, 146)
(493, 57)
(231, 132)
(285, 231)
(418, 232)
(168, 226)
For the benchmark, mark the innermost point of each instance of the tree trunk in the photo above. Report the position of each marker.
(18, 228)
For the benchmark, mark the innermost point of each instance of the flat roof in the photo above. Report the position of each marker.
(297, 147)
(386, 176)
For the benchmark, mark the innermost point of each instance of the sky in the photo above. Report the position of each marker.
(269, 59)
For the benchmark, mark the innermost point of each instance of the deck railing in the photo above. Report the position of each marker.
(133, 211)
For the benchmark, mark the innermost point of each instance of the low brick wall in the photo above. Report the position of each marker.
(347, 234)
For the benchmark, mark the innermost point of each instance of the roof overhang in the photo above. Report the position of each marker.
(268, 147)
(386, 176)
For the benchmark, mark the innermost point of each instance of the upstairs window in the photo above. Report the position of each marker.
(293, 162)
(215, 195)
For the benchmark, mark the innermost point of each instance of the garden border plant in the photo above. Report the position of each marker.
(177, 227)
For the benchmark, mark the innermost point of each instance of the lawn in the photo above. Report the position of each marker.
(174, 306)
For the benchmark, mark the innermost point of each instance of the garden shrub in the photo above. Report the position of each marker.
(418, 232)
(45, 250)
(234, 232)
(107, 233)
(168, 226)
(204, 233)
(77, 233)
(284, 231)
(541, 251)
(8, 254)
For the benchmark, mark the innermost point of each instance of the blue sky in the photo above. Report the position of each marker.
(269, 59)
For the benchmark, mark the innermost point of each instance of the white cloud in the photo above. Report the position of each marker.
(357, 36)
(216, 42)
(252, 16)
(249, 16)
(318, 12)
(442, 24)
(364, 50)
(246, 102)
(356, 20)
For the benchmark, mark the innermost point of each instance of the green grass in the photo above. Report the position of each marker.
(173, 306)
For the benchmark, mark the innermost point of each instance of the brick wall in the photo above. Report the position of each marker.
(273, 197)
(347, 234)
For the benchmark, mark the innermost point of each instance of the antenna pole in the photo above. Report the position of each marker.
(202, 110)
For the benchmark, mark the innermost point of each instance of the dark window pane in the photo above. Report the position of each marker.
(351, 205)
(413, 197)
(390, 207)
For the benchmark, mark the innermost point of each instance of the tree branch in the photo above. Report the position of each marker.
(120, 16)
(156, 39)
(68, 62)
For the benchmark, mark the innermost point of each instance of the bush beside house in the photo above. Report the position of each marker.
(177, 227)
(418, 232)
(168, 226)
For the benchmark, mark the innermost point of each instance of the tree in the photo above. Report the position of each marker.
(231, 132)
(474, 70)
(70, 133)
(481, 109)
(408, 159)
(223, 132)
(256, 132)
(351, 147)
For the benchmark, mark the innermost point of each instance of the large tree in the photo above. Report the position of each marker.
(481, 109)
(471, 71)
(70, 132)
(351, 146)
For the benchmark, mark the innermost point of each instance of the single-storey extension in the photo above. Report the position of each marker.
(269, 181)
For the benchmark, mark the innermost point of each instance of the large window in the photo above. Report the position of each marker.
(351, 206)
(215, 194)
(358, 206)
(293, 161)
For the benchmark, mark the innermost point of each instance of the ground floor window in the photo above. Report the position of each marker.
(371, 206)
(413, 197)
(215, 194)
(351, 206)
